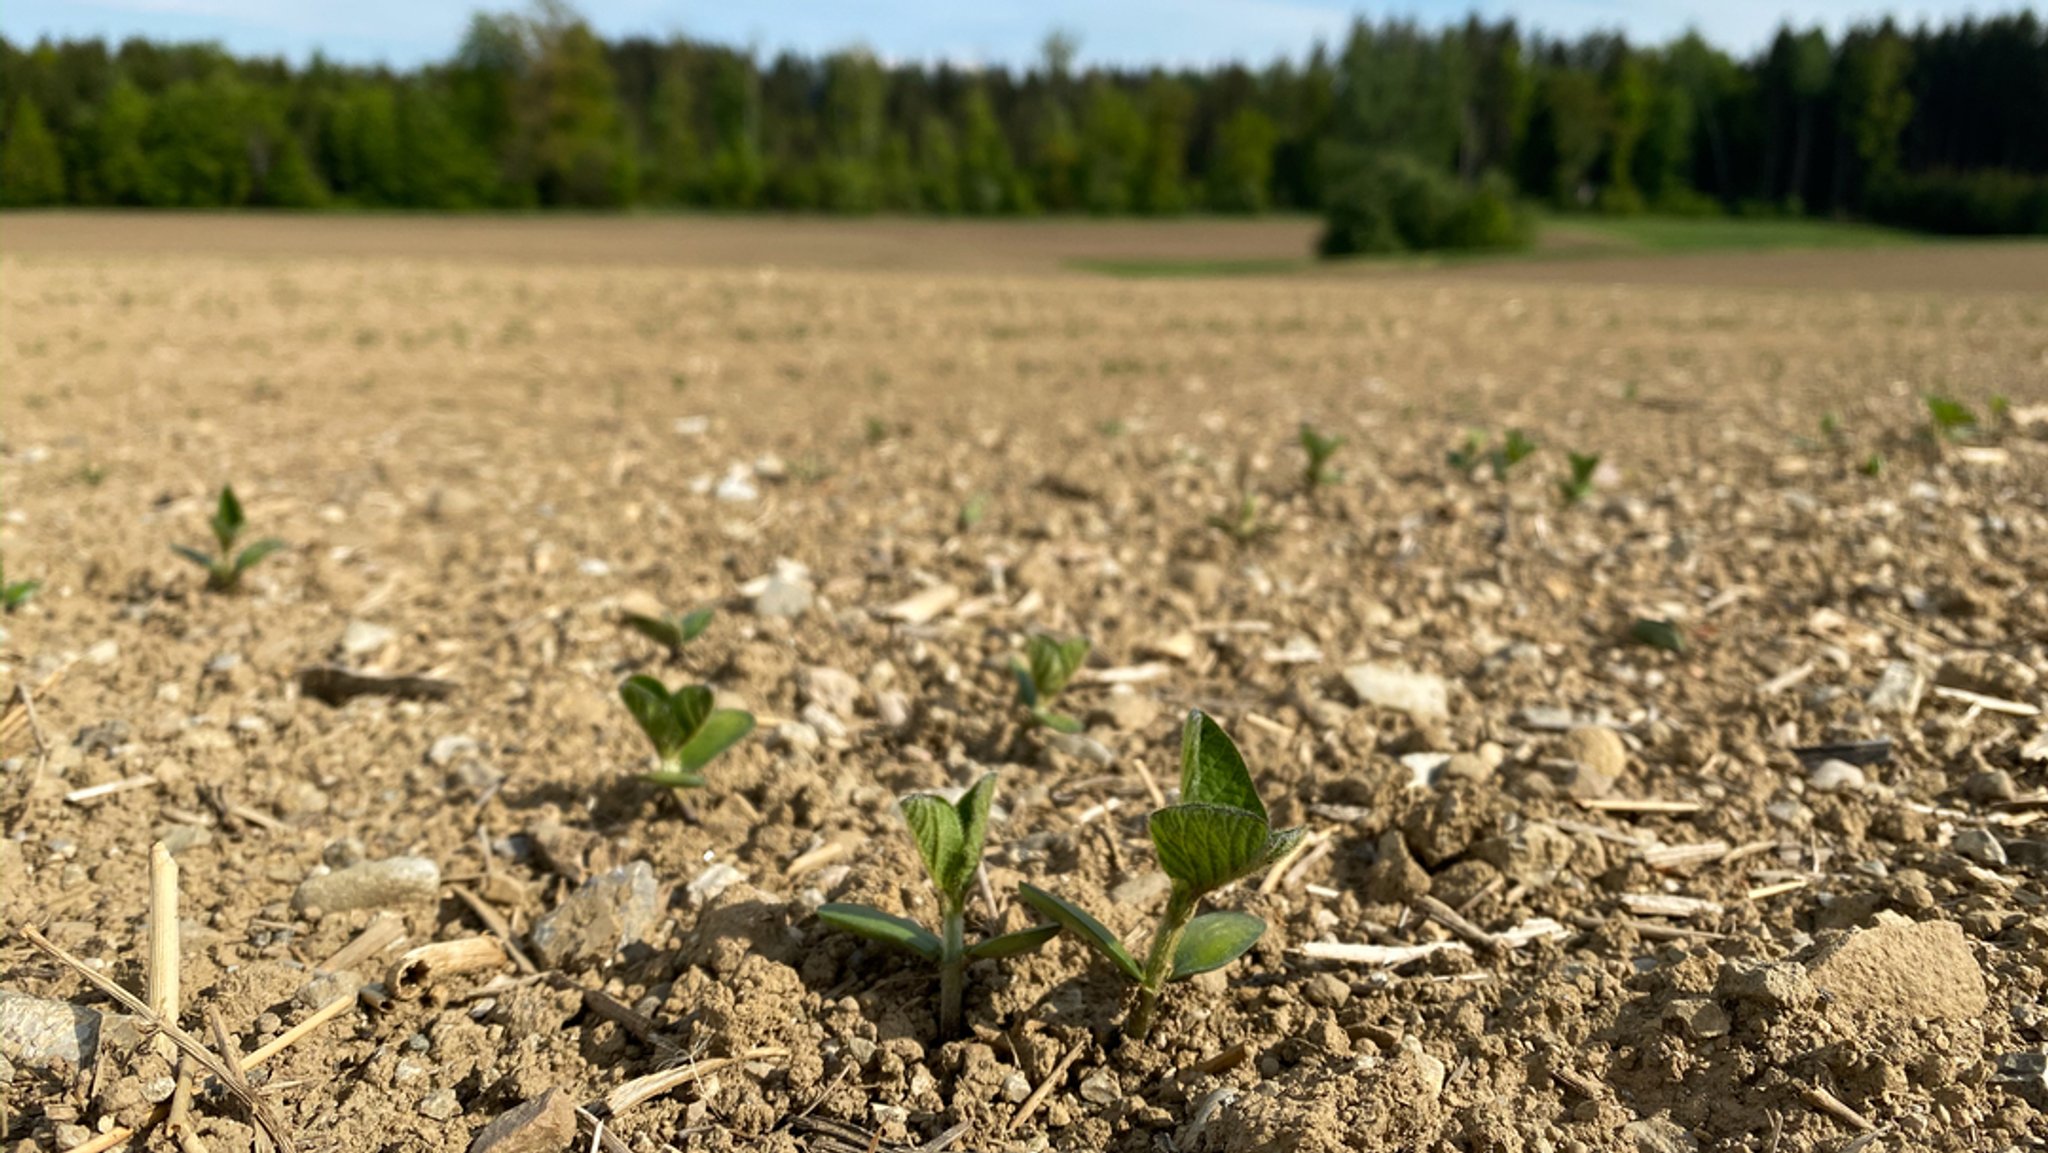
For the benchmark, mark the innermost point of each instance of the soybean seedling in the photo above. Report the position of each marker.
(669, 631)
(224, 570)
(1580, 484)
(1658, 634)
(949, 837)
(1465, 459)
(1317, 472)
(687, 732)
(1218, 833)
(1510, 453)
(14, 594)
(1052, 663)
(1950, 419)
(1245, 526)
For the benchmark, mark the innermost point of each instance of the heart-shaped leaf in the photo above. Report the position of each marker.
(1076, 920)
(692, 707)
(1214, 940)
(648, 701)
(883, 928)
(972, 809)
(935, 826)
(1012, 944)
(1208, 846)
(1054, 662)
(719, 732)
(1212, 772)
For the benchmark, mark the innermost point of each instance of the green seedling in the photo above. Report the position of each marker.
(14, 594)
(224, 570)
(669, 631)
(1245, 526)
(1949, 418)
(972, 511)
(1317, 472)
(1872, 466)
(1830, 427)
(1049, 665)
(687, 732)
(1658, 635)
(949, 837)
(1466, 459)
(2001, 410)
(1580, 484)
(1510, 453)
(1218, 833)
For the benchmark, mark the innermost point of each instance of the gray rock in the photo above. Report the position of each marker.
(831, 689)
(795, 737)
(1100, 1088)
(1598, 750)
(1327, 990)
(371, 885)
(1016, 1087)
(36, 1032)
(446, 750)
(546, 1124)
(1981, 846)
(608, 913)
(1779, 985)
(893, 708)
(363, 638)
(824, 722)
(1898, 690)
(1082, 747)
(1833, 776)
(441, 1105)
(785, 597)
(1403, 690)
(1532, 855)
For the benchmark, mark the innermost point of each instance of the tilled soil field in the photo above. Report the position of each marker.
(1563, 891)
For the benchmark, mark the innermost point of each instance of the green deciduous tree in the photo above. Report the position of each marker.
(31, 170)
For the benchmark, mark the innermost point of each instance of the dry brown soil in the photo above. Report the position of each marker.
(485, 455)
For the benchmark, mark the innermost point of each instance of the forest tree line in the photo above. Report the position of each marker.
(1937, 127)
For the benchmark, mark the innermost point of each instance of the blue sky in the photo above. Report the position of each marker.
(407, 32)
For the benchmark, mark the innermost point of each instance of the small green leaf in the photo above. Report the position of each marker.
(1212, 771)
(972, 811)
(719, 732)
(256, 552)
(1214, 940)
(1658, 635)
(194, 555)
(1012, 944)
(648, 701)
(1054, 662)
(1076, 920)
(692, 706)
(1057, 722)
(883, 928)
(227, 519)
(694, 624)
(935, 826)
(1208, 846)
(660, 630)
(1027, 689)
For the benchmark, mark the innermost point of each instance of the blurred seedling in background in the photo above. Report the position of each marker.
(972, 510)
(224, 570)
(949, 837)
(1317, 472)
(1579, 485)
(1514, 448)
(684, 727)
(1658, 634)
(1511, 451)
(1048, 665)
(1245, 524)
(1465, 460)
(670, 631)
(14, 594)
(1218, 833)
(1872, 466)
(1950, 419)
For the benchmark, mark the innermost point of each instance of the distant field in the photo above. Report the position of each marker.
(1640, 250)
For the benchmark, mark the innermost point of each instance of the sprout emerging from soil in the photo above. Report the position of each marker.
(224, 570)
(1580, 484)
(14, 594)
(1511, 451)
(1950, 419)
(1217, 834)
(1658, 635)
(1872, 466)
(686, 731)
(949, 837)
(1052, 663)
(1320, 449)
(669, 631)
(1245, 526)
